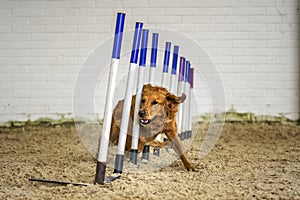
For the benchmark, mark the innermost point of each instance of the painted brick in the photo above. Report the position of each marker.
(265, 35)
(231, 19)
(181, 11)
(61, 28)
(60, 12)
(28, 12)
(265, 19)
(46, 20)
(78, 4)
(14, 20)
(244, 11)
(197, 20)
(108, 3)
(164, 20)
(27, 28)
(231, 35)
(95, 12)
(35, 4)
(79, 20)
(14, 36)
(262, 3)
(194, 3)
(5, 29)
(147, 11)
(215, 27)
(23, 45)
(135, 4)
(249, 59)
(253, 44)
(5, 4)
(104, 20)
(45, 36)
(94, 28)
(166, 4)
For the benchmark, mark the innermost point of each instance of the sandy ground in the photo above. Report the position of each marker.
(250, 161)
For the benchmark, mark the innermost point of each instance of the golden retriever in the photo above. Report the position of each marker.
(157, 115)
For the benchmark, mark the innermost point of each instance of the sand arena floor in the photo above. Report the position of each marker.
(250, 161)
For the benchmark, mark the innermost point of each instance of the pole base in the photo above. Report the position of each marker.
(100, 172)
(119, 164)
(146, 150)
(156, 152)
(133, 156)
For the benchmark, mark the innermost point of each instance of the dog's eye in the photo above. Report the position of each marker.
(154, 102)
(143, 101)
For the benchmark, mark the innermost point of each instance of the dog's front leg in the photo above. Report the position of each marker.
(178, 148)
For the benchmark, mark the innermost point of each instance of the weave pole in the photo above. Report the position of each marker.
(127, 100)
(173, 81)
(153, 58)
(104, 141)
(166, 64)
(141, 72)
(179, 92)
(185, 108)
(190, 120)
(156, 151)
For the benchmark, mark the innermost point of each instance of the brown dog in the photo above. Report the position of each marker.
(157, 115)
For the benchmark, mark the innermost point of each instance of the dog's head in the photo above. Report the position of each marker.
(157, 106)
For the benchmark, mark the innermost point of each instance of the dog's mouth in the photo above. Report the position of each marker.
(144, 122)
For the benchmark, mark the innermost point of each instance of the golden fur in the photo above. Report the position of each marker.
(157, 115)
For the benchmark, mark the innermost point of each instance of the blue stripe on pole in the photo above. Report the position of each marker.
(187, 71)
(167, 57)
(136, 42)
(181, 69)
(154, 49)
(144, 45)
(118, 35)
(175, 58)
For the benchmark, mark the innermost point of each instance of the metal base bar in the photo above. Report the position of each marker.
(57, 182)
(111, 178)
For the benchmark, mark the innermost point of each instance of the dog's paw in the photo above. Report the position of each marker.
(190, 167)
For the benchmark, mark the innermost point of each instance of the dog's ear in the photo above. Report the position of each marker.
(147, 87)
(172, 102)
(182, 98)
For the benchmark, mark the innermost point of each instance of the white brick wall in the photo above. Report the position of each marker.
(254, 44)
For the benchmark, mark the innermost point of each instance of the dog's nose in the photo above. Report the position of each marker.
(142, 113)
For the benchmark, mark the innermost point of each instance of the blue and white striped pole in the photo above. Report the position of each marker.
(141, 72)
(185, 111)
(179, 92)
(156, 151)
(128, 97)
(153, 60)
(104, 141)
(153, 57)
(173, 81)
(190, 121)
(166, 64)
